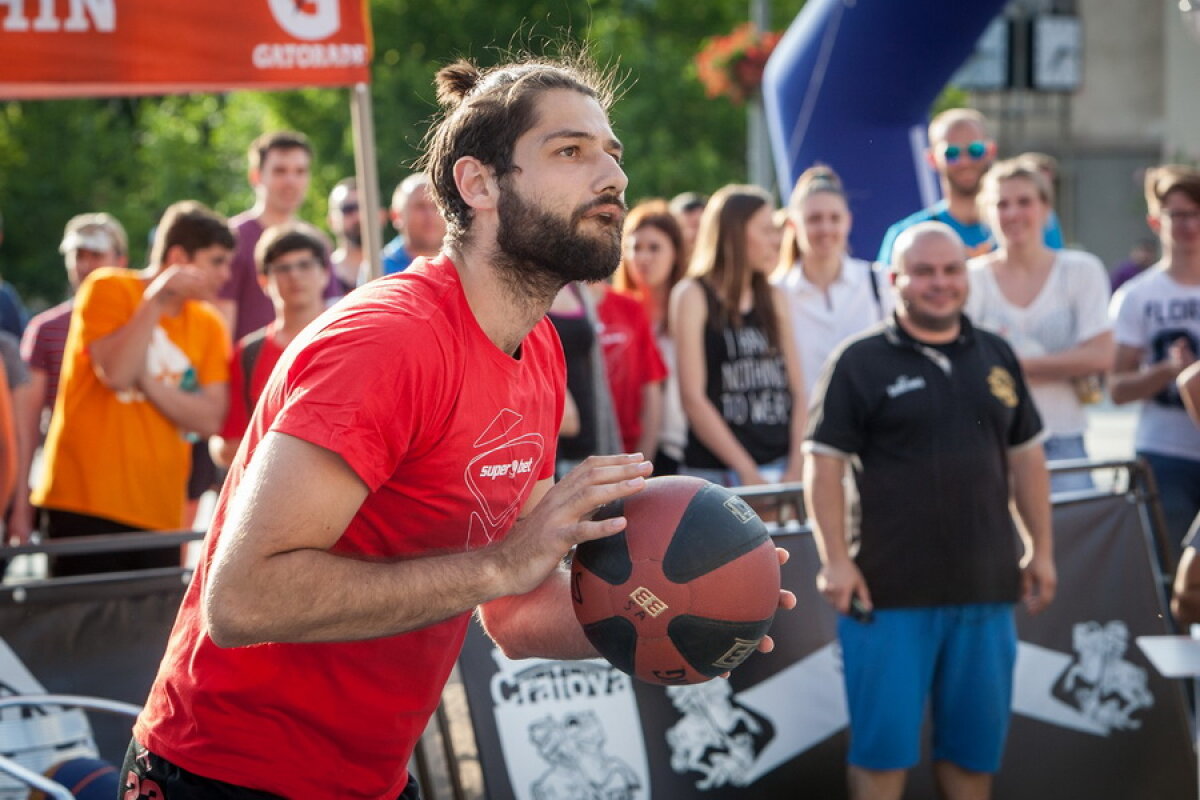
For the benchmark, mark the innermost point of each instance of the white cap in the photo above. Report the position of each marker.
(96, 239)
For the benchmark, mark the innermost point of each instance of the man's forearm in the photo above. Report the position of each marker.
(312, 595)
(825, 500)
(1126, 387)
(120, 358)
(539, 624)
(1031, 498)
(196, 412)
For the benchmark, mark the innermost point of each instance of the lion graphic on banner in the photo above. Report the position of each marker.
(716, 737)
(1108, 689)
(579, 767)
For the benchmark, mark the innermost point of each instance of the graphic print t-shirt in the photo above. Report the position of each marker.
(1150, 312)
(747, 382)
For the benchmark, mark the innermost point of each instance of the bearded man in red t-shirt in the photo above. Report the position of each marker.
(397, 473)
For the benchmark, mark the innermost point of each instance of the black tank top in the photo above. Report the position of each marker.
(577, 337)
(747, 382)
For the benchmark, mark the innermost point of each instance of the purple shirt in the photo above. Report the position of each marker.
(43, 343)
(254, 309)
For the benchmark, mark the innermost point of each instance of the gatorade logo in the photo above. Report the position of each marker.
(307, 19)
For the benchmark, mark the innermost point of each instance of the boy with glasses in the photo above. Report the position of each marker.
(960, 150)
(291, 270)
(1157, 326)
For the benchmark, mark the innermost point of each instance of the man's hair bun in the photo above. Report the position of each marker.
(456, 81)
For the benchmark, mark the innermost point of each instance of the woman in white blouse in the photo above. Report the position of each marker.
(830, 295)
(1051, 306)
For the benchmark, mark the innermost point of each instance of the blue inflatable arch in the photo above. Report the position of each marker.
(850, 85)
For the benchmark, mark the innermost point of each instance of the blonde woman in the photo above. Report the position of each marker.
(1051, 306)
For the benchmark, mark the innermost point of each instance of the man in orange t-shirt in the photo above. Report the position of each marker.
(145, 367)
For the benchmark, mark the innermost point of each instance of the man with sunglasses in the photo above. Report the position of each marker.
(960, 151)
(345, 222)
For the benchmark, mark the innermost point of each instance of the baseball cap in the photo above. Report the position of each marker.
(99, 232)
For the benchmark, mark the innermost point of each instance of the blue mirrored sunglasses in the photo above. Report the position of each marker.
(975, 151)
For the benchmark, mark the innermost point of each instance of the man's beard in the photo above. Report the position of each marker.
(540, 251)
(353, 235)
(966, 188)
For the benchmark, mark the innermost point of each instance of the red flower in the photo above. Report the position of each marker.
(732, 65)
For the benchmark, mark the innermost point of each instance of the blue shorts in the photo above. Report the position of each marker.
(959, 659)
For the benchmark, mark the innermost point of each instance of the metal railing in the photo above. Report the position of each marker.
(35, 779)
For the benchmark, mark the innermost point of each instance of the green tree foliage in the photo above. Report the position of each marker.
(134, 156)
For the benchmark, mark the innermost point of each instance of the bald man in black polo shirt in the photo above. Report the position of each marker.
(936, 420)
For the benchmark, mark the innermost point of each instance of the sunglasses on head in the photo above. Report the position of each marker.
(349, 208)
(975, 151)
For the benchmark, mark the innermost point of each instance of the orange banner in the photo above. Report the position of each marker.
(77, 48)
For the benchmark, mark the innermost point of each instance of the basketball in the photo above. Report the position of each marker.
(86, 778)
(686, 591)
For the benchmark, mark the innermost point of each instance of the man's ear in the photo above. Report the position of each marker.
(176, 254)
(892, 274)
(476, 183)
(252, 175)
(1155, 223)
(930, 158)
(263, 281)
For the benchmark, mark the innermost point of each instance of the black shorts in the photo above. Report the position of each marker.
(155, 778)
(57, 525)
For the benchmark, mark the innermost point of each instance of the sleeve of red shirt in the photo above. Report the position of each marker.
(237, 418)
(356, 392)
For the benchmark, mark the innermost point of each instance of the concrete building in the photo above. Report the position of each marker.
(1135, 102)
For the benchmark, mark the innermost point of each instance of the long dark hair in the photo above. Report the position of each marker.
(719, 258)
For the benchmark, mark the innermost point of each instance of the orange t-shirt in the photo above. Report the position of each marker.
(114, 454)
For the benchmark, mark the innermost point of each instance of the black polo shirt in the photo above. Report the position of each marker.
(928, 429)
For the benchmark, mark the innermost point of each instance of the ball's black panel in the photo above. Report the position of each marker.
(607, 558)
(616, 639)
(714, 646)
(717, 527)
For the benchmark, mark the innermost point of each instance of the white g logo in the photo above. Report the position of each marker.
(307, 19)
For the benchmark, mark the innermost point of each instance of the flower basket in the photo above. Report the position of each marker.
(732, 65)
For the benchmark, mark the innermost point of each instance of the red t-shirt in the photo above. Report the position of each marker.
(632, 359)
(238, 415)
(450, 435)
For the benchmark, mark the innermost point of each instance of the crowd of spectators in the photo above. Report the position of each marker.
(702, 354)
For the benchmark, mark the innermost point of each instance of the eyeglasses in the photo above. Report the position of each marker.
(975, 151)
(288, 267)
(348, 208)
(1182, 217)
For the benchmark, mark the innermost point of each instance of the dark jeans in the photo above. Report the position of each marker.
(155, 778)
(1178, 482)
(58, 525)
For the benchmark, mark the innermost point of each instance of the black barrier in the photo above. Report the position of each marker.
(102, 637)
(1092, 719)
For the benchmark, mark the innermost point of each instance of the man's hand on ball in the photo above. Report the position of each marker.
(537, 542)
